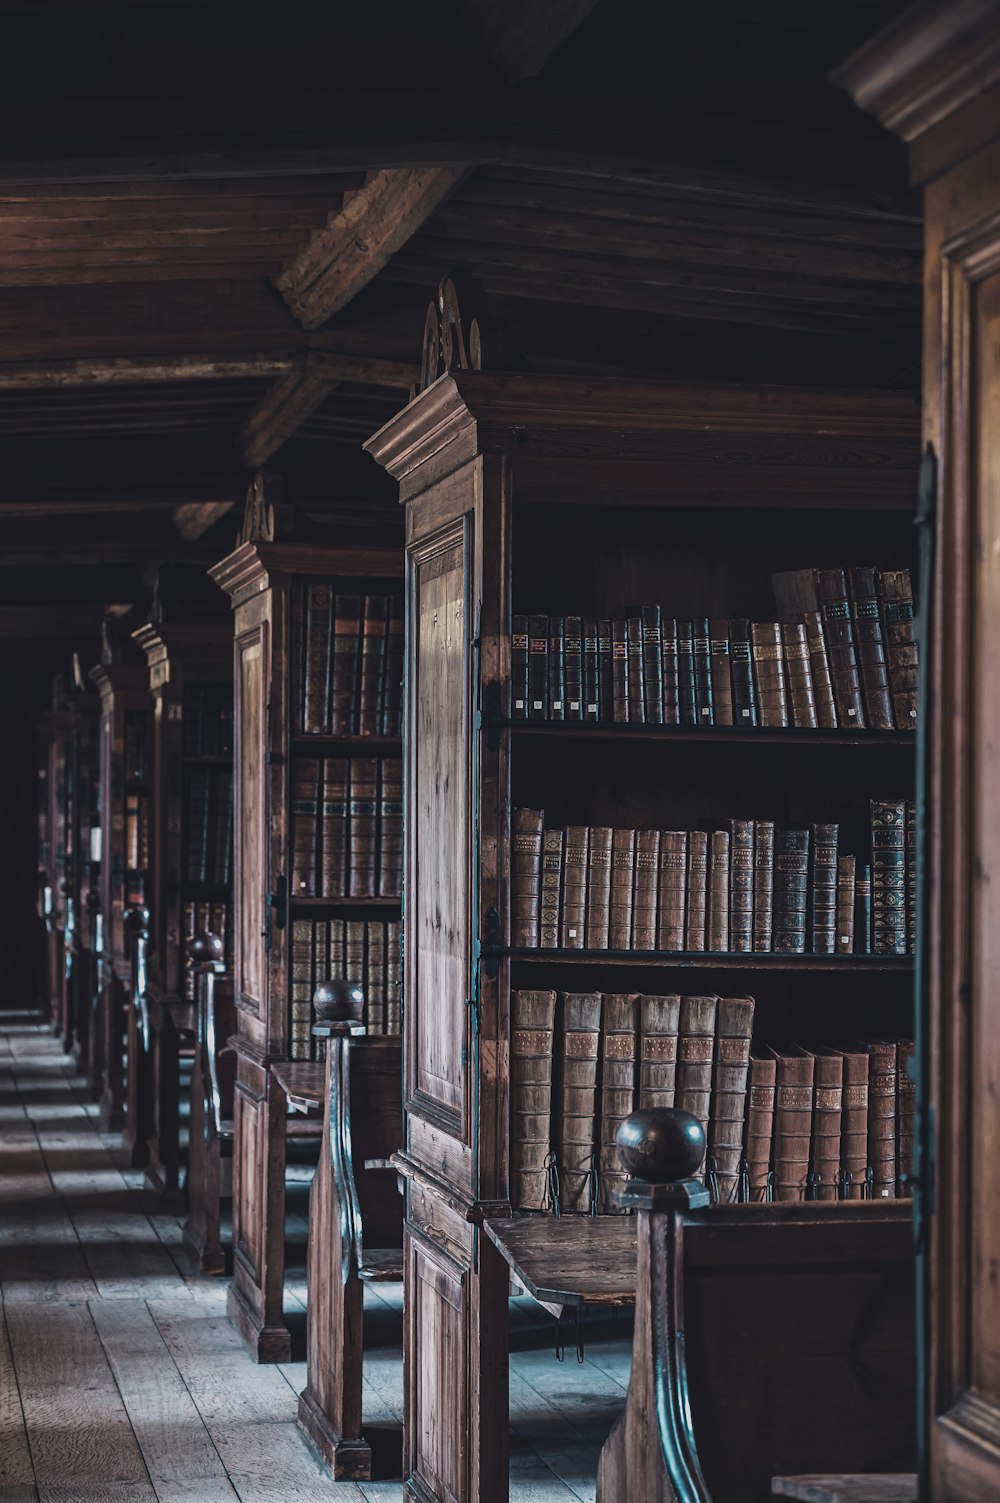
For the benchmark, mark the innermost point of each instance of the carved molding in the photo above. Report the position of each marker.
(265, 514)
(460, 333)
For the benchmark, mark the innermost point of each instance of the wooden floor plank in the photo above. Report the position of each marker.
(97, 1492)
(16, 1470)
(270, 1463)
(200, 1490)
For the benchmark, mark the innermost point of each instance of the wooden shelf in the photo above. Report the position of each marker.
(301, 740)
(710, 960)
(710, 735)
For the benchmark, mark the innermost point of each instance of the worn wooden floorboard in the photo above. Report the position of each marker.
(16, 1471)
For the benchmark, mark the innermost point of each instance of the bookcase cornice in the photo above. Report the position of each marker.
(253, 567)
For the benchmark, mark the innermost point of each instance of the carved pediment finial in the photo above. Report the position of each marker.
(460, 333)
(265, 515)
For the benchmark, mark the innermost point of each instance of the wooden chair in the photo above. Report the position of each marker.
(210, 1144)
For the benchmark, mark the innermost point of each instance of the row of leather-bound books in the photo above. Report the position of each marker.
(841, 656)
(366, 953)
(134, 746)
(136, 832)
(748, 887)
(207, 824)
(347, 827)
(207, 719)
(347, 661)
(207, 918)
(781, 1124)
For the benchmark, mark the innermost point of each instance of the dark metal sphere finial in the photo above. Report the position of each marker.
(661, 1145)
(135, 919)
(339, 1002)
(204, 947)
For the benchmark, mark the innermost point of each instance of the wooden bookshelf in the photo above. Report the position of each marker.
(266, 579)
(526, 493)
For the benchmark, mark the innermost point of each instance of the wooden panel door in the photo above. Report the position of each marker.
(252, 680)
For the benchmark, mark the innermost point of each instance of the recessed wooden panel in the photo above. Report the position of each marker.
(437, 1424)
(251, 820)
(248, 1149)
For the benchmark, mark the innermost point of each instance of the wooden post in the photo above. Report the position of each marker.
(138, 1086)
(202, 1229)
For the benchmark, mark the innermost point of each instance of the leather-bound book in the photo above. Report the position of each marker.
(733, 1027)
(659, 1023)
(574, 906)
(841, 647)
(722, 677)
(579, 1041)
(573, 669)
(697, 890)
(760, 1128)
(906, 1111)
(695, 1056)
(844, 932)
(824, 1156)
(532, 1025)
(685, 673)
(791, 886)
(375, 978)
(636, 680)
(362, 848)
(296, 688)
(701, 650)
(854, 1126)
(316, 678)
(882, 1077)
(793, 1106)
(819, 664)
(392, 697)
(718, 891)
(519, 668)
(551, 894)
(591, 680)
(870, 648)
(305, 811)
(619, 673)
(796, 593)
(823, 927)
(525, 877)
(618, 1085)
(652, 663)
(798, 672)
(744, 689)
(911, 877)
(769, 673)
(538, 667)
(334, 825)
(557, 668)
(222, 835)
(622, 887)
(896, 601)
(605, 671)
(888, 877)
(354, 951)
(599, 888)
(346, 655)
(862, 910)
(390, 862)
(373, 634)
(393, 968)
(741, 885)
(672, 896)
(300, 1012)
(763, 885)
(336, 951)
(644, 897)
(671, 684)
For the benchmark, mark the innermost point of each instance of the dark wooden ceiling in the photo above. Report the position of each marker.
(220, 225)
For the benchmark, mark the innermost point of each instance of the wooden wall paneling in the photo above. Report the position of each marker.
(209, 1176)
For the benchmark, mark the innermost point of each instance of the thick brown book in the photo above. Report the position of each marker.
(393, 964)
(769, 673)
(577, 1099)
(659, 1021)
(844, 937)
(824, 888)
(372, 675)
(363, 853)
(618, 1085)
(722, 677)
(695, 1056)
(841, 647)
(741, 885)
(906, 1110)
(718, 891)
(532, 1023)
(733, 1027)
(870, 647)
(791, 869)
(622, 883)
(896, 599)
(574, 907)
(824, 1157)
(390, 864)
(525, 876)
(344, 665)
(392, 693)
(763, 884)
(316, 676)
(303, 985)
(882, 1076)
(798, 668)
(375, 978)
(760, 1128)
(305, 810)
(599, 888)
(644, 898)
(334, 824)
(672, 890)
(697, 890)
(793, 1105)
(819, 663)
(551, 888)
(854, 1126)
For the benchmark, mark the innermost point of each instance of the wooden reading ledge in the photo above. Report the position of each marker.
(583, 1261)
(303, 1082)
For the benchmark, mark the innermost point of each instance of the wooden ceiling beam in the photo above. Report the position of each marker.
(294, 397)
(195, 517)
(521, 35)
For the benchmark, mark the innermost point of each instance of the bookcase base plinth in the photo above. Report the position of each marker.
(349, 1459)
(264, 1343)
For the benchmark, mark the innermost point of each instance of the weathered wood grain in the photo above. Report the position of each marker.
(16, 1470)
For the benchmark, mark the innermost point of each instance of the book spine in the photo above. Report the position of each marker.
(911, 877)
(393, 971)
(644, 900)
(722, 678)
(854, 1128)
(551, 888)
(659, 1022)
(824, 888)
(618, 1082)
(591, 679)
(599, 888)
(741, 885)
(863, 910)
(573, 669)
(373, 634)
(531, 1036)
(297, 685)
(798, 670)
(334, 825)
(870, 646)
(619, 673)
(845, 905)
(701, 649)
(734, 1024)
(819, 663)
(302, 987)
(760, 1129)
(316, 706)
(363, 813)
(305, 796)
(354, 951)
(671, 682)
(718, 891)
(636, 680)
(744, 690)
(395, 642)
(896, 600)
(525, 877)
(838, 628)
(888, 877)
(791, 872)
(605, 671)
(390, 862)
(579, 1045)
(538, 667)
(519, 668)
(824, 1156)
(652, 663)
(769, 673)
(557, 668)
(697, 890)
(906, 1105)
(622, 884)
(793, 1104)
(695, 1058)
(346, 654)
(882, 1118)
(685, 673)
(375, 978)
(763, 885)
(574, 910)
(672, 897)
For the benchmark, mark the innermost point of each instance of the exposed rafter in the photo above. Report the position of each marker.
(522, 35)
(193, 518)
(359, 239)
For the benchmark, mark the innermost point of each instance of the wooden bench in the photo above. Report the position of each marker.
(874, 1487)
(355, 1235)
(569, 1262)
(210, 1142)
